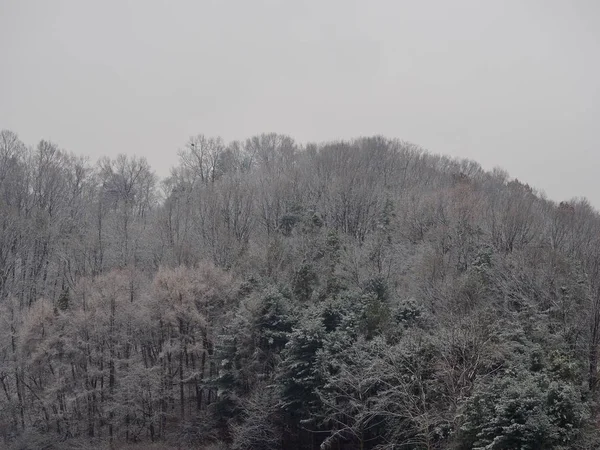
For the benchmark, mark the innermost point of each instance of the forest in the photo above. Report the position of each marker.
(269, 294)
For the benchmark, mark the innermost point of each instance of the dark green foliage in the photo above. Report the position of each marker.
(299, 375)
(230, 380)
(331, 315)
(379, 287)
(409, 313)
(248, 286)
(524, 410)
(290, 219)
(304, 282)
(274, 321)
(534, 401)
(356, 313)
(375, 315)
(63, 301)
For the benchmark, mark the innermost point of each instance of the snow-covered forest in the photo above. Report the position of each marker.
(362, 294)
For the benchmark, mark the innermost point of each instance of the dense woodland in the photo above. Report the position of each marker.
(357, 294)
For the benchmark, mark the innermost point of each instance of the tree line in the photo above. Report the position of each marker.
(360, 294)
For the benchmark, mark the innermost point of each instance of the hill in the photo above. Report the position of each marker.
(348, 295)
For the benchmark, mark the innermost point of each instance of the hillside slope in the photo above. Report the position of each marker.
(345, 295)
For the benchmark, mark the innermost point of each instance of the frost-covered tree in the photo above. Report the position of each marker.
(270, 294)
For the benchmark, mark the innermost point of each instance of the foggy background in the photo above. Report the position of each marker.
(509, 83)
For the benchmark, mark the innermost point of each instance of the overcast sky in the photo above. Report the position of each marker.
(509, 83)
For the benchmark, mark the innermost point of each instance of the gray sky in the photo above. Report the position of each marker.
(510, 83)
